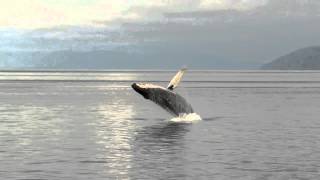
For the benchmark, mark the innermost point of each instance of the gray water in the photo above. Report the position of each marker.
(92, 125)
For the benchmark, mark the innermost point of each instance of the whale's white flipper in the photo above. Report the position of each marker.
(176, 79)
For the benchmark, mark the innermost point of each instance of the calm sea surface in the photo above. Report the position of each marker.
(92, 125)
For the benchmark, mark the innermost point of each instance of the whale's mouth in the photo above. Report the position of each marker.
(140, 90)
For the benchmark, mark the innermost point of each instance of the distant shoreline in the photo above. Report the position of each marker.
(154, 70)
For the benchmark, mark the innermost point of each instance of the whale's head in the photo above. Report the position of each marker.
(145, 89)
(140, 89)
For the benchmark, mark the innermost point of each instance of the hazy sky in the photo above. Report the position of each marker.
(154, 33)
(32, 14)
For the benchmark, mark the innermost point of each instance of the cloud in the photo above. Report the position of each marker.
(231, 4)
(31, 14)
(233, 36)
(24, 13)
(156, 9)
(198, 33)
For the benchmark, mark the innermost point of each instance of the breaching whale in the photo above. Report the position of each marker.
(165, 97)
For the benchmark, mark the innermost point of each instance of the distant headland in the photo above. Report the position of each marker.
(301, 59)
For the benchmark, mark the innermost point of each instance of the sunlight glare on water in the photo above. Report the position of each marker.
(115, 137)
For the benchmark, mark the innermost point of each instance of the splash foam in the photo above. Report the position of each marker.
(186, 118)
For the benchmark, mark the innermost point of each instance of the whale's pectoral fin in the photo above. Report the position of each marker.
(176, 79)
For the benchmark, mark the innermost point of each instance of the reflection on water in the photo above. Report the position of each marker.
(160, 148)
(114, 130)
(68, 76)
(23, 123)
(26, 133)
(169, 133)
(104, 130)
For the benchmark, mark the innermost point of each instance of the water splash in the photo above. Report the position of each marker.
(186, 118)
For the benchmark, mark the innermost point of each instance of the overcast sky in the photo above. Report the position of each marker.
(197, 33)
(32, 14)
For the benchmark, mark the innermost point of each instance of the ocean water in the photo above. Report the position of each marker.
(92, 125)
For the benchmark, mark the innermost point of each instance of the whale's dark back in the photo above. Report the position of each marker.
(170, 101)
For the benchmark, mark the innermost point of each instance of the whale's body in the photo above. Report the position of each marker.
(165, 97)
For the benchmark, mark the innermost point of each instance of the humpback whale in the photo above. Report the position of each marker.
(169, 100)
